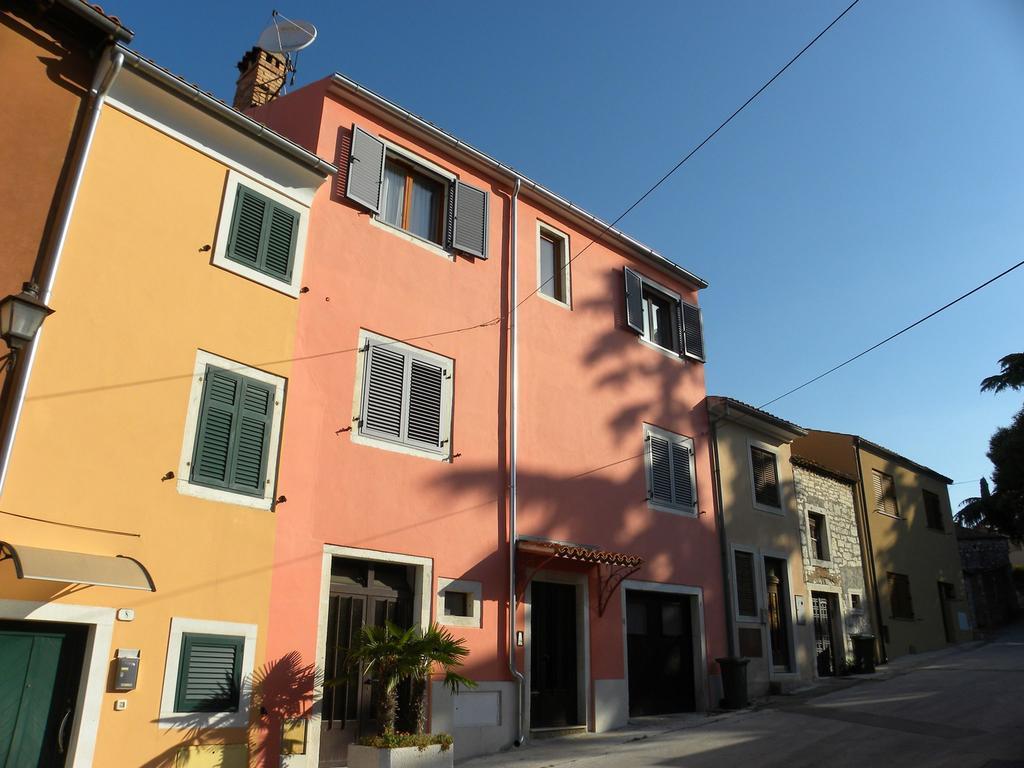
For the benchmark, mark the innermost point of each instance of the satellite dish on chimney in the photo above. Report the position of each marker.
(286, 36)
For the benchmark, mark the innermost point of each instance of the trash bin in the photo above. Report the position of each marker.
(864, 652)
(734, 681)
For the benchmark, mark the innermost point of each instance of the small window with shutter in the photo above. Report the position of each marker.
(232, 432)
(416, 196)
(885, 494)
(900, 602)
(261, 235)
(406, 397)
(746, 584)
(209, 673)
(670, 471)
(933, 511)
(660, 317)
(764, 468)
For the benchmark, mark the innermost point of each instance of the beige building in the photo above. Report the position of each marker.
(768, 606)
(913, 582)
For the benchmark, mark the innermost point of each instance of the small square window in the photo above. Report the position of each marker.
(856, 602)
(457, 603)
(209, 673)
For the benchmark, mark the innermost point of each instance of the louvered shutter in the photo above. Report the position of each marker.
(682, 476)
(233, 434)
(634, 300)
(263, 234)
(365, 169)
(885, 494)
(209, 673)
(246, 237)
(661, 469)
(766, 478)
(279, 252)
(693, 331)
(384, 389)
(746, 585)
(426, 383)
(469, 233)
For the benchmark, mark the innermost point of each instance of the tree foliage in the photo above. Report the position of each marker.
(1011, 377)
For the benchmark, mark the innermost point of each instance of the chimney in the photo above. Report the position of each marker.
(262, 77)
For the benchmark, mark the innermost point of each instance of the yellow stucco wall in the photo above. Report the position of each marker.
(105, 413)
(908, 546)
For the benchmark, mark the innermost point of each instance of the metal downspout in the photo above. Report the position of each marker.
(884, 656)
(101, 83)
(513, 389)
(730, 624)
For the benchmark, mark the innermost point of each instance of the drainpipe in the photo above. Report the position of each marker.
(884, 656)
(513, 390)
(730, 623)
(106, 71)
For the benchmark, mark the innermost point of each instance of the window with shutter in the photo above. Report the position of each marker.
(416, 196)
(900, 602)
(746, 584)
(263, 234)
(885, 494)
(765, 471)
(233, 433)
(209, 673)
(933, 511)
(670, 471)
(406, 398)
(661, 317)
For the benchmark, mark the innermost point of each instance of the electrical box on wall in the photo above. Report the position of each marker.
(126, 669)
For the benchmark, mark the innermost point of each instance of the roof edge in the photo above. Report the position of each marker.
(219, 109)
(863, 442)
(768, 418)
(97, 18)
(458, 146)
(812, 466)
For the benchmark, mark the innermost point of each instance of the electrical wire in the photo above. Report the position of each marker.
(900, 332)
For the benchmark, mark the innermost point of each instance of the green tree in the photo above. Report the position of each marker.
(437, 651)
(1012, 376)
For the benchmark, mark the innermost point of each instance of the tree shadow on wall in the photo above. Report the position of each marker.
(281, 692)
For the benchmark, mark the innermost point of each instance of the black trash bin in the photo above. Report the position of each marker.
(864, 652)
(734, 681)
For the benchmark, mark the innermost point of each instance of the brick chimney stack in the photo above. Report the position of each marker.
(262, 77)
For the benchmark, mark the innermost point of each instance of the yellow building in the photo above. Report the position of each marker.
(138, 503)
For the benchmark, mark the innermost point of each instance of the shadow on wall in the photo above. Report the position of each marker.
(282, 691)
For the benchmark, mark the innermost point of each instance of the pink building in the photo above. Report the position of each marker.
(429, 424)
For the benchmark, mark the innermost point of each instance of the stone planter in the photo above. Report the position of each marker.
(400, 757)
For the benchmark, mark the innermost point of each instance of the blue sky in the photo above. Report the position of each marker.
(880, 177)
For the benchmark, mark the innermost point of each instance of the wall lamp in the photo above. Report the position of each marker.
(21, 316)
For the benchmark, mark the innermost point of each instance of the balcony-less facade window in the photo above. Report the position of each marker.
(885, 494)
(933, 511)
(670, 471)
(662, 318)
(746, 584)
(412, 201)
(553, 264)
(900, 602)
(209, 673)
(817, 533)
(765, 471)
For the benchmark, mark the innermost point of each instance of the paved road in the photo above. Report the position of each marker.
(956, 709)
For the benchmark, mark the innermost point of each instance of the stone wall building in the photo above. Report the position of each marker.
(985, 556)
(833, 568)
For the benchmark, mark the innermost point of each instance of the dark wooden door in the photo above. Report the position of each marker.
(659, 651)
(824, 637)
(778, 615)
(947, 593)
(40, 668)
(362, 593)
(553, 658)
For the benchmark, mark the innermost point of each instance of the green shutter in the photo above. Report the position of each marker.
(233, 435)
(209, 673)
(263, 234)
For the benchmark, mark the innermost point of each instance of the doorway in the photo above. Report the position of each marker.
(947, 593)
(660, 653)
(362, 593)
(41, 665)
(824, 608)
(777, 585)
(554, 656)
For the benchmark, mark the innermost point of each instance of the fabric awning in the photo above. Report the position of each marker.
(77, 567)
(588, 555)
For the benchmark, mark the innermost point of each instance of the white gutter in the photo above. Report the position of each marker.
(22, 371)
(513, 440)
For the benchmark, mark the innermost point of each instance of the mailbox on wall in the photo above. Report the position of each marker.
(126, 669)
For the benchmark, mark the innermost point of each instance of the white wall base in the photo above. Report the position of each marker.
(611, 705)
(402, 757)
(487, 714)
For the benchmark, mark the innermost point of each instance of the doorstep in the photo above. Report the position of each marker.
(557, 731)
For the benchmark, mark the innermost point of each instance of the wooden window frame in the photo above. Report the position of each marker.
(411, 170)
(823, 538)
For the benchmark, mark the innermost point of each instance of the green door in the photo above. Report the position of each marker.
(41, 664)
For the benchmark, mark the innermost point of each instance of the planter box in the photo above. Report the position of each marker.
(401, 757)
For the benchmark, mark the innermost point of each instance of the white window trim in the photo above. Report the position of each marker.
(195, 402)
(672, 295)
(220, 247)
(545, 229)
(781, 509)
(447, 395)
(189, 720)
(850, 609)
(472, 588)
(742, 618)
(828, 537)
(650, 429)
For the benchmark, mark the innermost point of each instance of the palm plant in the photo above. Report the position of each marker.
(436, 650)
(387, 654)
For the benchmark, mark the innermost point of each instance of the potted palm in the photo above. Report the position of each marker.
(389, 655)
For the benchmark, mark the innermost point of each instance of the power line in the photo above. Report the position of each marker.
(697, 148)
(900, 332)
